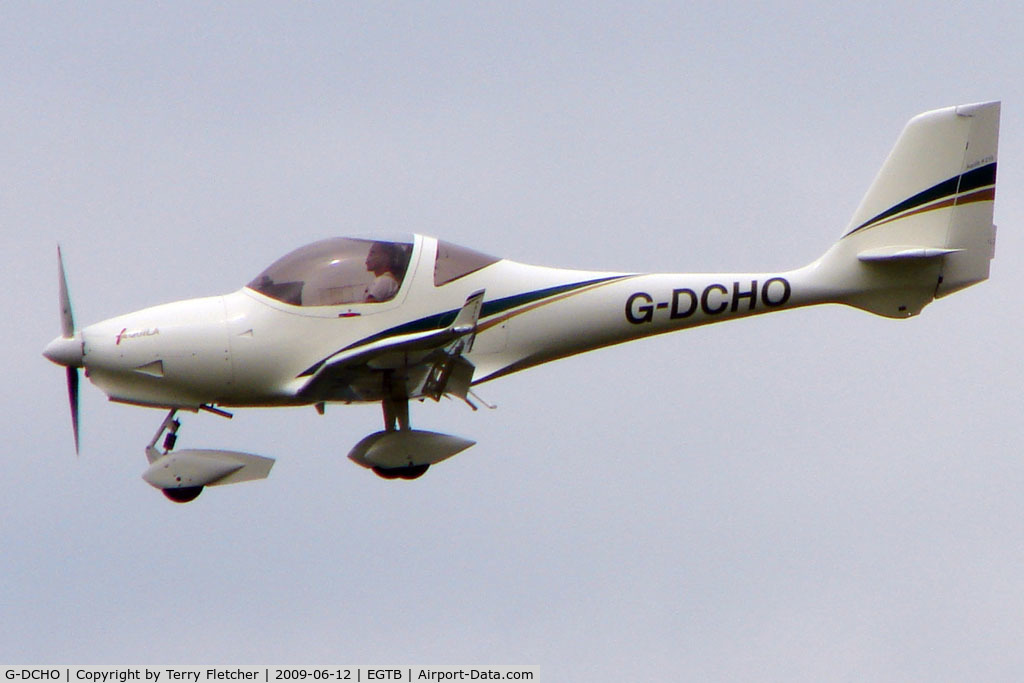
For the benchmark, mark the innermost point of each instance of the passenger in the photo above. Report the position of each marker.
(385, 261)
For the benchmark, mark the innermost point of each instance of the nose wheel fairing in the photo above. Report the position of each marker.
(182, 475)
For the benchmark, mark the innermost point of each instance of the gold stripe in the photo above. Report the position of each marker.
(507, 316)
(983, 195)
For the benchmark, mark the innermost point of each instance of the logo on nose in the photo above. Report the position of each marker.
(135, 334)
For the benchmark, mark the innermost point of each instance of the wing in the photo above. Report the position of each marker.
(428, 363)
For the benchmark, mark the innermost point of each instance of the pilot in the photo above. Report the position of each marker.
(385, 262)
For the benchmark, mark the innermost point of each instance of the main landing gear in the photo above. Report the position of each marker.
(396, 419)
(398, 451)
(408, 472)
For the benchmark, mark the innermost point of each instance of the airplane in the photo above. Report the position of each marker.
(392, 319)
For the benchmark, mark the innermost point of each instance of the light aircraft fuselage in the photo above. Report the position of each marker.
(348, 320)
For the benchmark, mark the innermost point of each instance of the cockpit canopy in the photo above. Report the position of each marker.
(352, 270)
(340, 270)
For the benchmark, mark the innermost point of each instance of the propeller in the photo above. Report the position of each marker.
(67, 349)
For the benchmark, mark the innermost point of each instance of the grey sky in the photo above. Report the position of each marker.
(813, 495)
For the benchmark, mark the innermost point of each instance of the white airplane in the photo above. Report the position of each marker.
(354, 320)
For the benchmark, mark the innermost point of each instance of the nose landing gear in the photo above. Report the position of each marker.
(182, 475)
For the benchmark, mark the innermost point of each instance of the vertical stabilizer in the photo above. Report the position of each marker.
(924, 229)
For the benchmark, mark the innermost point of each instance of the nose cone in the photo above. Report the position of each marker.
(66, 351)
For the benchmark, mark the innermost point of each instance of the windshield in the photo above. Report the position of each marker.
(341, 270)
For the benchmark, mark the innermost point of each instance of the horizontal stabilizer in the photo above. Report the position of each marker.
(903, 253)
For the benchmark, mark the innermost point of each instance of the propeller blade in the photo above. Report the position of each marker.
(67, 349)
(73, 401)
(67, 319)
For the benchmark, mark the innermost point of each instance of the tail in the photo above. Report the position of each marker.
(924, 229)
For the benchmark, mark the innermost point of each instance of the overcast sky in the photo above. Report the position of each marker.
(817, 494)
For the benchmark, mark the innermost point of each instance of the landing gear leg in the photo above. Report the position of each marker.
(396, 414)
(183, 494)
(396, 418)
(395, 404)
(169, 425)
